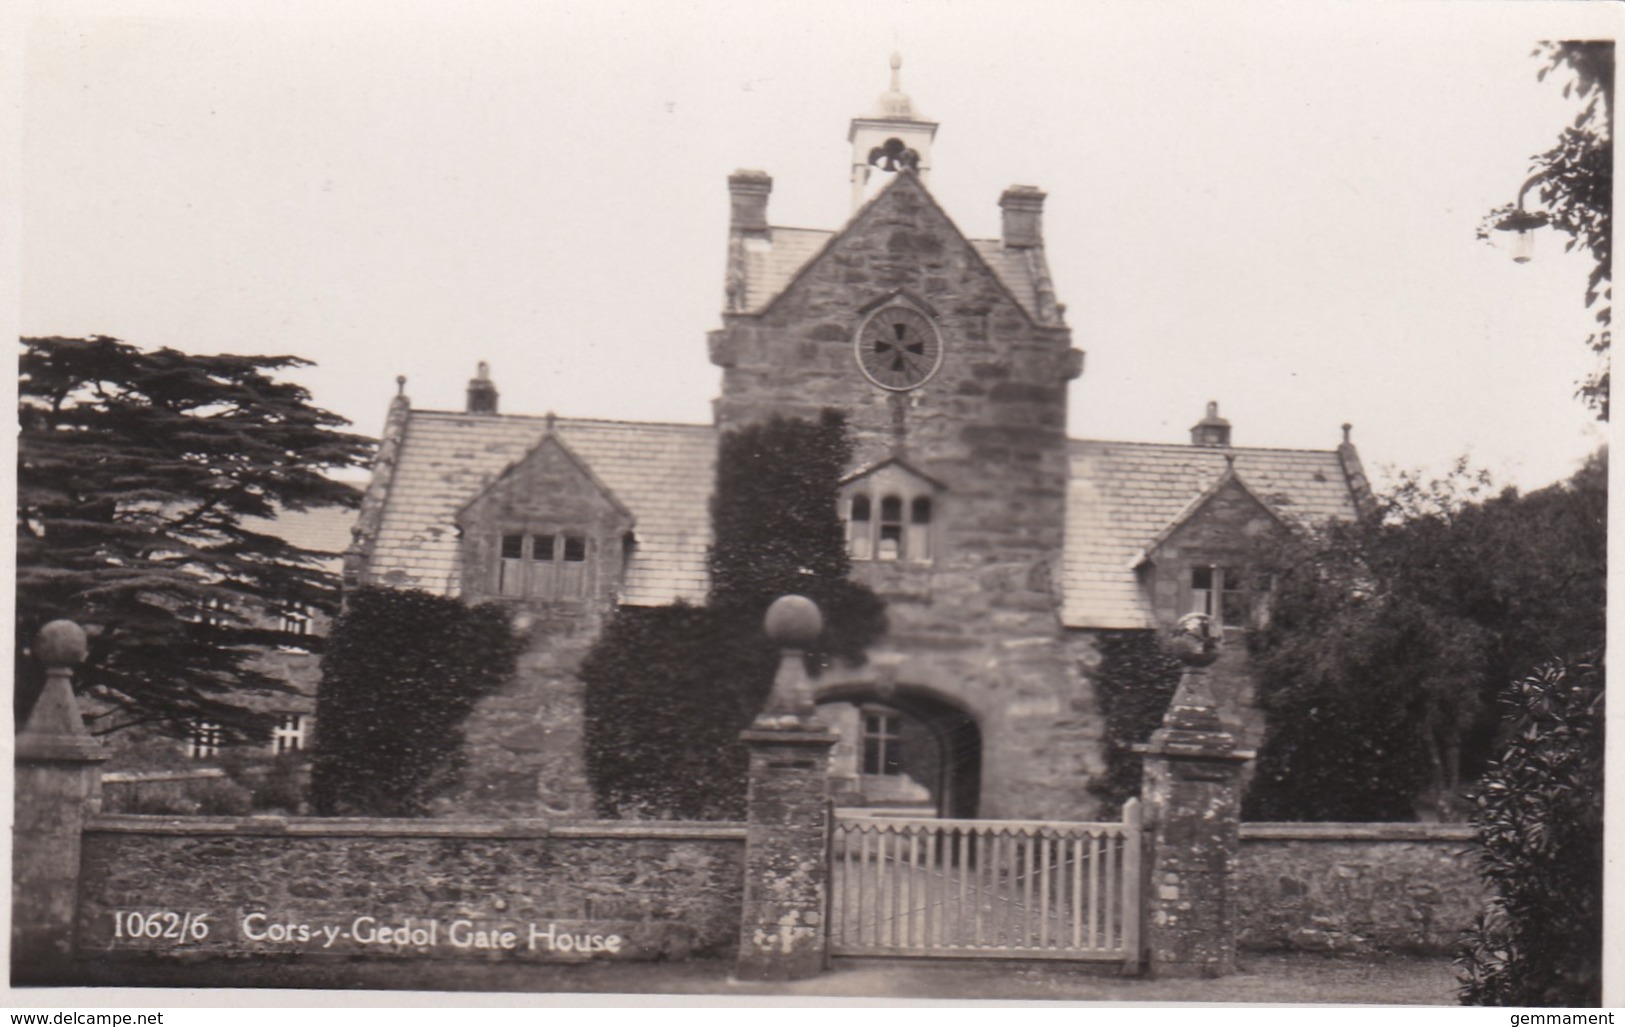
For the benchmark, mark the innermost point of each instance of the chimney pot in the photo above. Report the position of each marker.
(1023, 207)
(482, 392)
(1212, 430)
(748, 192)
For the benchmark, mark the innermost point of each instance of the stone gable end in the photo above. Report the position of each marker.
(548, 493)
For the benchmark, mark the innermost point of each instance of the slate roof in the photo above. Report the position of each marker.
(771, 263)
(1122, 498)
(1124, 494)
(662, 472)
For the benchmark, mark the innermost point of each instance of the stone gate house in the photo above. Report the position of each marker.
(1001, 546)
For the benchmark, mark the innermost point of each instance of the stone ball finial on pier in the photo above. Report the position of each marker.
(1195, 640)
(793, 623)
(54, 722)
(61, 643)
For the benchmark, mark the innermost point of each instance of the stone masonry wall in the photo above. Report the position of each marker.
(1354, 888)
(525, 745)
(409, 889)
(977, 627)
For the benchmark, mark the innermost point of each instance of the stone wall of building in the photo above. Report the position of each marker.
(525, 754)
(524, 751)
(1355, 888)
(409, 889)
(976, 627)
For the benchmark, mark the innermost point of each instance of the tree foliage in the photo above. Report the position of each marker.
(1539, 818)
(1389, 638)
(402, 671)
(1576, 186)
(668, 690)
(143, 483)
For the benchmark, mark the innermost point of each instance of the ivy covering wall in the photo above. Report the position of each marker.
(1134, 683)
(403, 670)
(669, 689)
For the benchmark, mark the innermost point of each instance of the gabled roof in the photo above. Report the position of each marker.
(1123, 495)
(1227, 478)
(663, 473)
(551, 438)
(1121, 498)
(892, 461)
(773, 262)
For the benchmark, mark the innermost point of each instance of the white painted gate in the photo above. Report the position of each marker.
(1008, 889)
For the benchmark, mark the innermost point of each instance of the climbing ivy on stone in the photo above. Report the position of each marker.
(1134, 683)
(669, 689)
(402, 671)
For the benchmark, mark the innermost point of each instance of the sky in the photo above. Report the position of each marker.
(1271, 205)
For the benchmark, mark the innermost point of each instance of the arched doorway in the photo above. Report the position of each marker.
(905, 750)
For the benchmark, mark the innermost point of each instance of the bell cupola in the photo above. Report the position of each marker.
(892, 140)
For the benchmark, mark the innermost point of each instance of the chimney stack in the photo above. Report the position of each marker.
(1023, 207)
(1211, 430)
(748, 191)
(482, 393)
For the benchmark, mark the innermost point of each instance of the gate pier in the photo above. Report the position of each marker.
(782, 933)
(58, 786)
(1191, 789)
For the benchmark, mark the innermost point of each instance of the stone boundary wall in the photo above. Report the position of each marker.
(350, 887)
(1356, 888)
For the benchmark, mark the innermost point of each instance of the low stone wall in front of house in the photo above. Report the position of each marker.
(309, 887)
(1355, 888)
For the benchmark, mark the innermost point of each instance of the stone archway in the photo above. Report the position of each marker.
(906, 748)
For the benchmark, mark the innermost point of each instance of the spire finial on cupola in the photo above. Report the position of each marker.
(894, 103)
(895, 138)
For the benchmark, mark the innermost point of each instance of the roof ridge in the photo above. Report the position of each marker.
(1217, 450)
(576, 420)
(798, 228)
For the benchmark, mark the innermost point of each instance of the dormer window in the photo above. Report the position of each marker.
(1221, 593)
(546, 530)
(543, 566)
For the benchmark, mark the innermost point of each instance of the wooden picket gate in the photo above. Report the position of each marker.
(1005, 889)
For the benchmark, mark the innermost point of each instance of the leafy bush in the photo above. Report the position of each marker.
(282, 788)
(1388, 639)
(1539, 815)
(193, 797)
(403, 670)
(668, 690)
(1134, 683)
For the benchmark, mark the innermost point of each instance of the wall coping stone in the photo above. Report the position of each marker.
(143, 776)
(1337, 832)
(339, 827)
